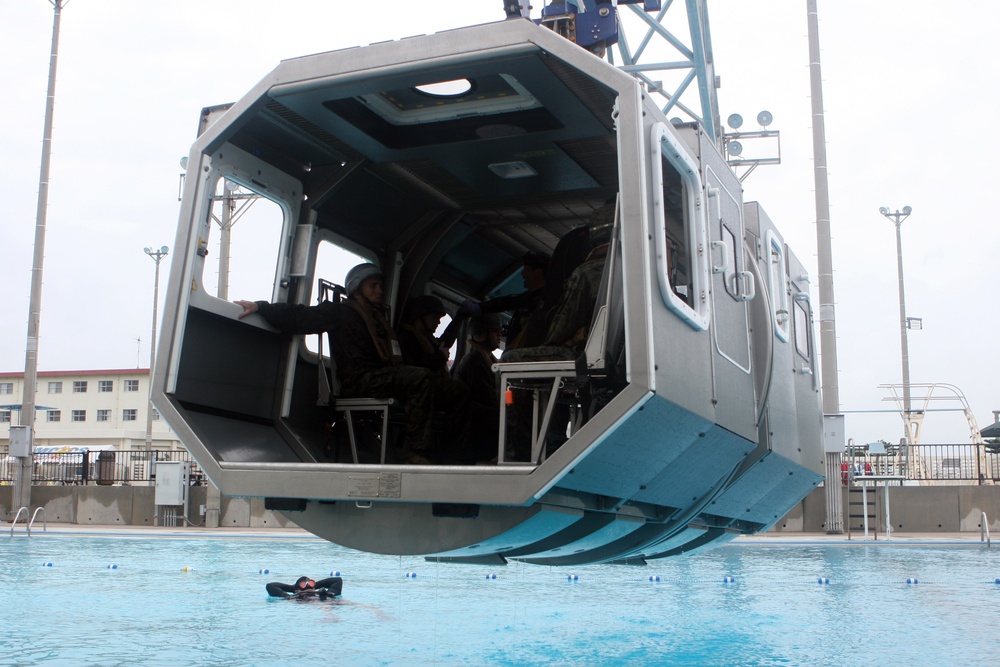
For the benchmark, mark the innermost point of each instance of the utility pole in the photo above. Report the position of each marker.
(22, 479)
(897, 219)
(833, 446)
(156, 256)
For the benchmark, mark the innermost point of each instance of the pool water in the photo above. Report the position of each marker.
(406, 611)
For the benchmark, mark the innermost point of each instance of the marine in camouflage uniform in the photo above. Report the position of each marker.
(569, 328)
(369, 363)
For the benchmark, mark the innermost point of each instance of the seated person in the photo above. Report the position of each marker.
(421, 318)
(305, 588)
(569, 328)
(475, 371)
(368, 357)
(522, 305)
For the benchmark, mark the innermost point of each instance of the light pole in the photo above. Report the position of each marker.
(157, 255)
(897, 219)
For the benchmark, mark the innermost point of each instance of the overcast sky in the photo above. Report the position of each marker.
(909, 94)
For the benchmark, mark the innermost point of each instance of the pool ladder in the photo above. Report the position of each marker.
(29, 524)
(984, 530)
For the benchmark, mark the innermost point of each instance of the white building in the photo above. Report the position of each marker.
(93, 409)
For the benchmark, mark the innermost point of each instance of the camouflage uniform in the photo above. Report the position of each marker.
(568, 330)
(362, 370)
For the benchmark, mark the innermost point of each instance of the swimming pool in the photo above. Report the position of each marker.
(775, 611)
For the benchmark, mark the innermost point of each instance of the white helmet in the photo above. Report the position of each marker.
(359, 274)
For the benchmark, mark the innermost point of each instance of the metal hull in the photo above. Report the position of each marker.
(695, 434)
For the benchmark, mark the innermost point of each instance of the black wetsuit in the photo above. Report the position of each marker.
(329, 587)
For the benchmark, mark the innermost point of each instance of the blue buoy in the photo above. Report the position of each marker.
(49, 564)
(654, 577)
(911, 580)
(997, 580)
(728, 579)
(263, 570)
(335, 573)
(491, 575)
(572, 577)
(411, 575)
(112, 566)
(823, 580)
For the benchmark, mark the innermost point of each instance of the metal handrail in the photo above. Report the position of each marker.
(45, 523)
(18, 516)
(984, 530)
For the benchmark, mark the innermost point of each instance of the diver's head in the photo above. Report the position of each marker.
(303, 584)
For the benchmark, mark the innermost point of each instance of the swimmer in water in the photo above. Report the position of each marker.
(305, 588)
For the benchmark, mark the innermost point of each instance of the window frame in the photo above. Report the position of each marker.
(53, 416)
(80, 386)
(130, 415)
(131, 385)
(78, 415)
(57, 386)
(6, 388)
(103, 415)
(778, 291)
(664, 145)
(105, 386)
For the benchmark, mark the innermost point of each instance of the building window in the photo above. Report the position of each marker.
(4, 416)
(103, 415)
(129, 414)
(156, 415)
(79, 386)
(105, 386)
(6, 387)
(79, 415)
(53, 416)
(55, 387)
(131, 385)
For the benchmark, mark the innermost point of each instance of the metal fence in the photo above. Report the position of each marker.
(102, 468)
(975, 463)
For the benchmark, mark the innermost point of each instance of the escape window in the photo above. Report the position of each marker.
(776, 285)
(237, 264)
(730, 276)
(679, 222)
(802, 328)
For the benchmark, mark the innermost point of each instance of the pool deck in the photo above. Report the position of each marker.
(767, 539)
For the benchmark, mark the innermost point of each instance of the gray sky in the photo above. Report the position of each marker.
(908, 94)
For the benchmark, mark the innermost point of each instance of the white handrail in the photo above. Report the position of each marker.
(984, 530)
(18, 516)
(45, 523)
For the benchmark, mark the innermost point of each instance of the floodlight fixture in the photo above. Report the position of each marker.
(735, 121)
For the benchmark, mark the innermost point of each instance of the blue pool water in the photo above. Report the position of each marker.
(148, 611)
